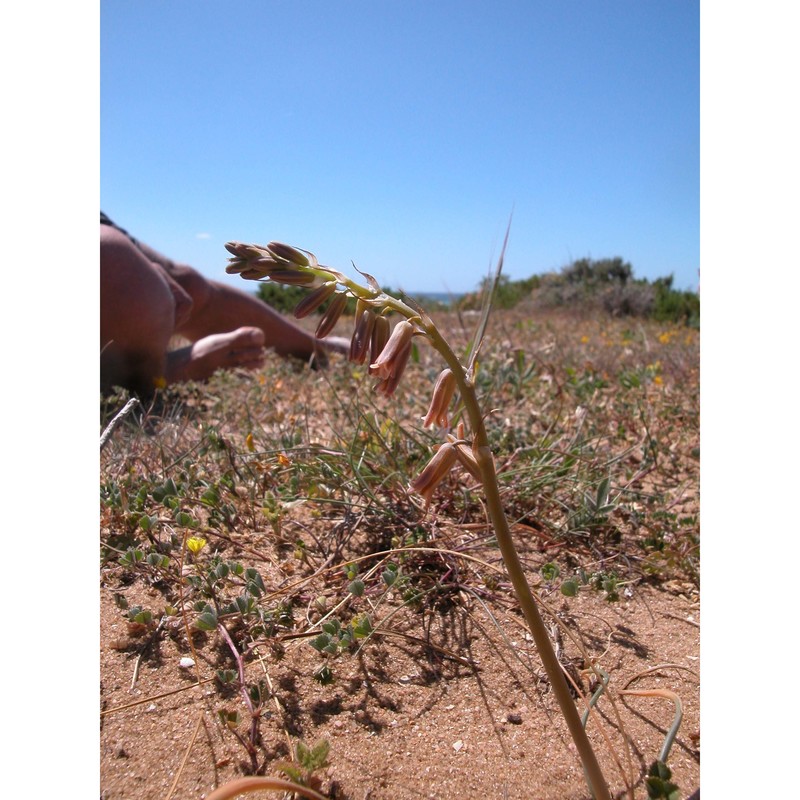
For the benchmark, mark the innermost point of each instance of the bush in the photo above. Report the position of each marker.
(605, 285)
(674, 306)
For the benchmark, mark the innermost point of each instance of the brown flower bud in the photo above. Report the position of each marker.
(293, 277)
(443, 392)
(331, 315)
(380, 335)
(313, 300)
(245, 251)
(288, 253)
(362, 334)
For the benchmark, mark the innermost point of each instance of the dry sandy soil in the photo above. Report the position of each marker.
(448, 701)
(406, 721)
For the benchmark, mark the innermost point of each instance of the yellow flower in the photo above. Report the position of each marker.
(250, 442)
(283, 460)
(195, 544)
(160, 382)
(584, 339)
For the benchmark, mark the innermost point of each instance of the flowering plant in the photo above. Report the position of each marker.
(388, 352)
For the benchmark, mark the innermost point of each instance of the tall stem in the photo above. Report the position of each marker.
(483, 454)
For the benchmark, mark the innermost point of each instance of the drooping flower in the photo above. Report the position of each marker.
(443, 391)
(362, 333)
(380, 335)
(434, 472)
(313, 300)
(331, 315)
(389, 361)
(386, 387)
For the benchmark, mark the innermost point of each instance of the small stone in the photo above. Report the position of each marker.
(186, 663)
(514, 719)
(458, 746)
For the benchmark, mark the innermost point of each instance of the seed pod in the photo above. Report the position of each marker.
(311, 302)
(331, 315)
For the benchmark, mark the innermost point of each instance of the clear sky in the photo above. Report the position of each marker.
(400, 135)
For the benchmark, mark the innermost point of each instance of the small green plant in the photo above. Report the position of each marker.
(308, 760)
(659, 782)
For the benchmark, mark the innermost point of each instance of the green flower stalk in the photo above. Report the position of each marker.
(286, 264)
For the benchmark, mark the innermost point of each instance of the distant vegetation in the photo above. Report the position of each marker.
(606, 284)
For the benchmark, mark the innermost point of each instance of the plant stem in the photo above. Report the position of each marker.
(254, 716)
(483, 453)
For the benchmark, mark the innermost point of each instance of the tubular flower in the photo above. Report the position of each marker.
(362, 334)
(387, 387)
(443, 392)
(311, 302)
(380, 335)
(435, 471)
(389, 361)
(331, 315)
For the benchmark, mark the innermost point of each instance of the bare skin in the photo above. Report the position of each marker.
(146, 299)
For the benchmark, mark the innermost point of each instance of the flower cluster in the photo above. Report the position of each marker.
(386, 350)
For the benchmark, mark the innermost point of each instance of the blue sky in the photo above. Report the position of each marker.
(401, 135)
